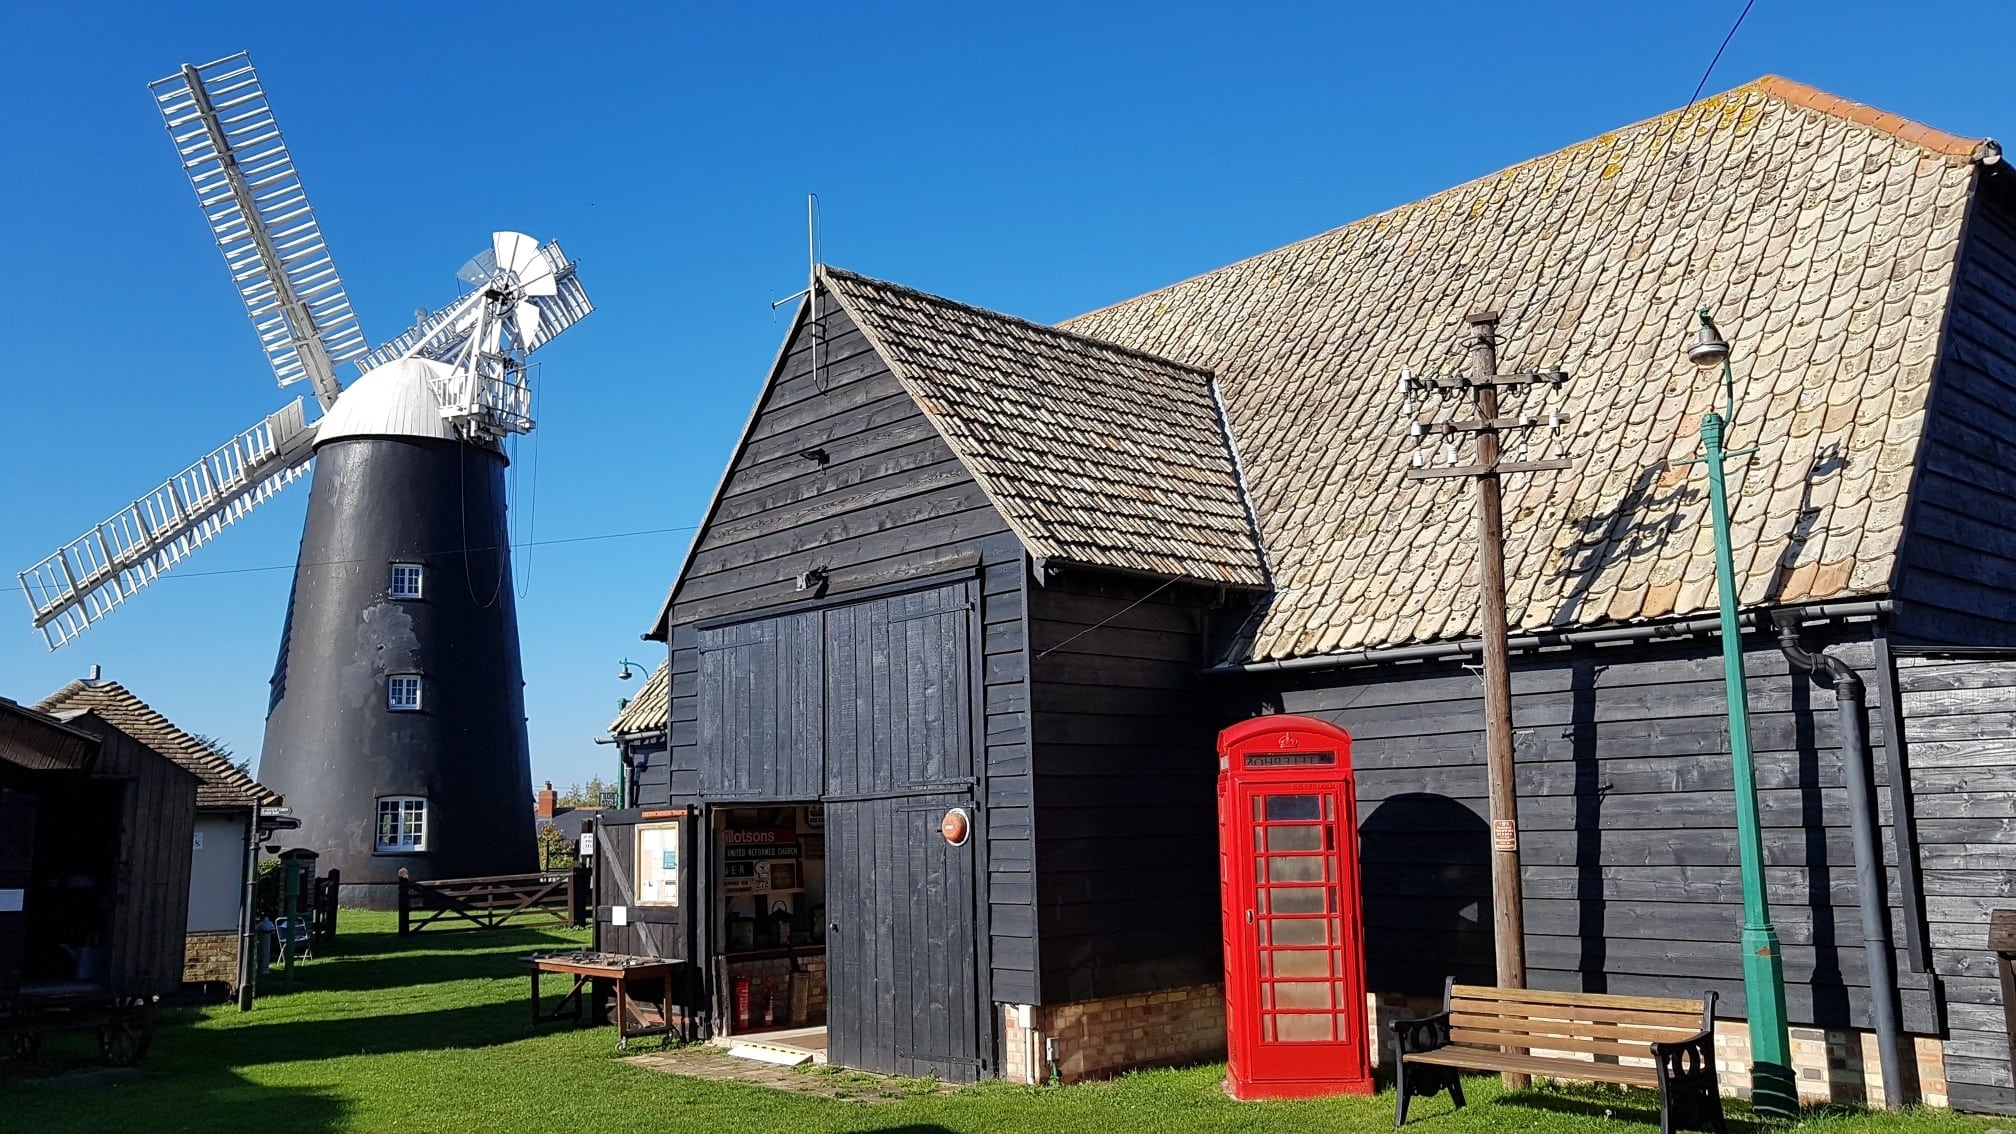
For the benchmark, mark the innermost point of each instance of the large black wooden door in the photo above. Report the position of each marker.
(900, 969)
(17, 862)
(761, 713)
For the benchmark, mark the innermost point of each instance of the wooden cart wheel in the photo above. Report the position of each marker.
(125, 1042)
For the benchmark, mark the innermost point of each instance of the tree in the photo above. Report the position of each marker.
(554, 852)
(585, 795)
(222, 751)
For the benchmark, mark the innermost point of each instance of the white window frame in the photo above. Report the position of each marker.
(394, 682)
(392, 588)
(409, 825)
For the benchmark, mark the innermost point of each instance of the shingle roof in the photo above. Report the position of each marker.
(1093, 454)
(221, 784)
(650, 710)
(1823, 235)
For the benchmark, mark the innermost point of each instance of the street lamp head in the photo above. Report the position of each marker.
(1709, 348)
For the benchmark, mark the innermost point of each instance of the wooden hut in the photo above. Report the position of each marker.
(964, 563)
(225, 842)
(97, 870)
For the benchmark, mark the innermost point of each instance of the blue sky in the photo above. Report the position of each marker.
(1038, 159)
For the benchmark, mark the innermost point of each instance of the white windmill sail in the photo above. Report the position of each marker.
(525, 294)
(102, 568)
(233, 152)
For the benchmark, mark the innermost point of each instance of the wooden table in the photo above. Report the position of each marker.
(604, 971)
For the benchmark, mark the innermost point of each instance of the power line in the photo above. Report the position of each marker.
(454, 551)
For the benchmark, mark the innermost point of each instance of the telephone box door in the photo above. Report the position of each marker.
(1294, 958)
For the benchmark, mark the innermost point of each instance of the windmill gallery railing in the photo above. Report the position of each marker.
(558, 897)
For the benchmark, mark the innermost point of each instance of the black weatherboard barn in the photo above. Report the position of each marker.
(964, 562)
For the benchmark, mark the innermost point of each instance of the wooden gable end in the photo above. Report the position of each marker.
(839, 473)
(1956, 571)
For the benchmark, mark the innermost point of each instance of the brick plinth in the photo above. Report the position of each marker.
(1097, 1038)
(1835, 1065)
(211, 957)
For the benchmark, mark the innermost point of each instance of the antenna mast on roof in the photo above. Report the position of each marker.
(810, 292)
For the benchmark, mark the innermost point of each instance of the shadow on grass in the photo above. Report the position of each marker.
(392, 963)
(290, 1041)
(213, 1101)
(1635, 1106)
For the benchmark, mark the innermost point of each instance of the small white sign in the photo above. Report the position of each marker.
(10, 900)
(618, 915)
(587, 844)
(199, 840)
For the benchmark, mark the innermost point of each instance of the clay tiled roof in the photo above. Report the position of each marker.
(650, 710)
(1092, 453)
(1821, 233)
(221, 785)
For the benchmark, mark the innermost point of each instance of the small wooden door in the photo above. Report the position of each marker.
(902, 980)
(17, 862)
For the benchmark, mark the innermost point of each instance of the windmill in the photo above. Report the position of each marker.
(396, 727)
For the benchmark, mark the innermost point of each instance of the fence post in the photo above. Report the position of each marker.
(329, 898)
(405, 901)
(578, 895)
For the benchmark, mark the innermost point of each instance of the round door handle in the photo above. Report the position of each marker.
(833, 927)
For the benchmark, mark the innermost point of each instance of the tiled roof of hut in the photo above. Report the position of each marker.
(221, 784)
(650, 710)
(1821, 233)
(1094, 454)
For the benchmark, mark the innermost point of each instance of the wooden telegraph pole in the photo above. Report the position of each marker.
(1480, 386)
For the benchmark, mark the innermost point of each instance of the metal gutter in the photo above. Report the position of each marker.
(1472, 647)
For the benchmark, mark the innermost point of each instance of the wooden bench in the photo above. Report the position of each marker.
(1586, 1036)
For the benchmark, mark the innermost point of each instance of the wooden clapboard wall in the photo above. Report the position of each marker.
(888, 504)
(1627, 826)
(1956, 579)
(1960, 738)
(1124, 785)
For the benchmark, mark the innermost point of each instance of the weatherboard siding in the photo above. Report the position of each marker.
(1124, 788)
(1956, 580)
(890, 504)
(1960, 734)
(1627, 820)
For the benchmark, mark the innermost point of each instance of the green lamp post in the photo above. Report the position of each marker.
(1774, 1089)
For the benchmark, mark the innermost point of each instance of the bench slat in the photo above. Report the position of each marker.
(1514, 1020)
(1576, 1000)
(1523, 1041)
(1586, 1071)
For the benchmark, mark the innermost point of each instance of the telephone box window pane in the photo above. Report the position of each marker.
(1302, 1029)
(1294, 838)
(1308, 869)
(1283, 807)
(1301, 931)
(1299, 963)
(1299, 899)
(1303, 994)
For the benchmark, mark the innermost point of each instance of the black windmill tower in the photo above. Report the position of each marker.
(396, 728)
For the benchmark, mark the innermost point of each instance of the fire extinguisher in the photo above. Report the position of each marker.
(742, 1004)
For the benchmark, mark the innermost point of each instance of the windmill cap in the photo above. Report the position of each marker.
(395, 400)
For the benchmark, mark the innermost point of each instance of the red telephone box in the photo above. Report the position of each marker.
(1294, 935)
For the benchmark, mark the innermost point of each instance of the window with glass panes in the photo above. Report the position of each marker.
(402, 824)
(1302, 980)
(402, 692)
(408, 580)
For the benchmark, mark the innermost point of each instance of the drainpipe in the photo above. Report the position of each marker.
(1855, 763)
(248, 965)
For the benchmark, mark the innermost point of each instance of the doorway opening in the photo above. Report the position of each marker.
(770, 918)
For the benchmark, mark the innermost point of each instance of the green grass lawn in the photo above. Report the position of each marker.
(431, 1034)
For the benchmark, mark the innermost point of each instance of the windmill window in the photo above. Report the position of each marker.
(402, 824)
(408, 580)
(402, 692)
